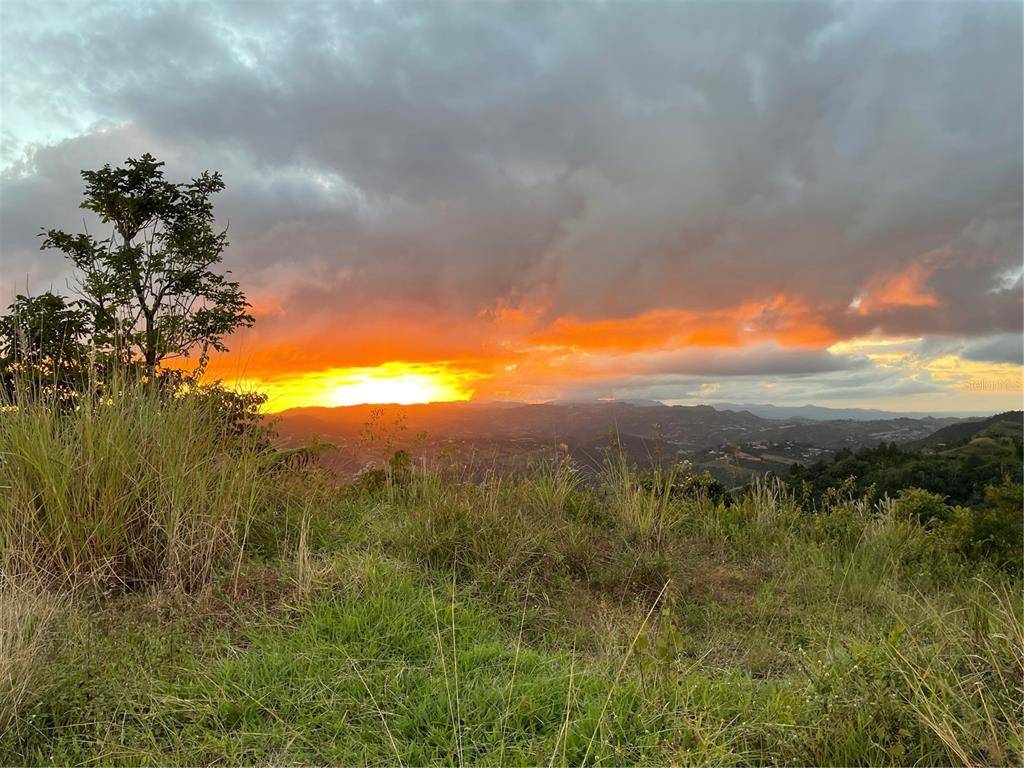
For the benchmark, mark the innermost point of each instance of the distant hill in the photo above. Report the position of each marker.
(821, 413)
(1009, 424)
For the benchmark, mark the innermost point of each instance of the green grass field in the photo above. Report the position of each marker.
(231, 611)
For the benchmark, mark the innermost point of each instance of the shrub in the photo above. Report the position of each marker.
(996, 531)
(928, 509)
(703, 488)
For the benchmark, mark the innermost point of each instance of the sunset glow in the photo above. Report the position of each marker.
(393, 382)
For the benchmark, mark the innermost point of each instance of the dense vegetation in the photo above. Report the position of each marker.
(958, 463)
(175, 591)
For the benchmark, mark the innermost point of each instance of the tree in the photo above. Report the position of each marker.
(43, 337)
(151, 287)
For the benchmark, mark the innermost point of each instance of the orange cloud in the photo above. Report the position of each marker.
(906, 288)
(651, 330)
(789, 321)
(714, 336)
(386, 351)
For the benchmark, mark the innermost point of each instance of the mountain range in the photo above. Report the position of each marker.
(732, 444)
(821, 413)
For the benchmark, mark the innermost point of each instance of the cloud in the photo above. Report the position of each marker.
(659, 178)
(997, 348)
(1004, 348)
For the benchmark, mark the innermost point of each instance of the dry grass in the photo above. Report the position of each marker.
(28, 616)
(968, 689)
(643, 506)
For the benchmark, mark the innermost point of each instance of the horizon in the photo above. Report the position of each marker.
(718, 406)
(800, 203)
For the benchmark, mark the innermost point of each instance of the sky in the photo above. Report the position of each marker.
(757, 202)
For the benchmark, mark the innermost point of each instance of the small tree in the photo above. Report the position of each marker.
(42, 339)
(151, 287)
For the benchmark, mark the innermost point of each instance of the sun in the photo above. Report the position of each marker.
(393, 382)
(396, 385)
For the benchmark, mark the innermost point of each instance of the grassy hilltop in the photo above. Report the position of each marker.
(175, 591)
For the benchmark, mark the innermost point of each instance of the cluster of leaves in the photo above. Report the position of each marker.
(990, 531)
(967, 489)
(42, 341)
(995, 530)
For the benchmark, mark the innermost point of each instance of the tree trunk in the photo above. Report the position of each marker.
(150, 351)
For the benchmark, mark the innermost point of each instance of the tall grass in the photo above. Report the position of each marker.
(768, 633)
(28, 618)
(132, 488)
(643, 505)
(967, 687)
(475, 526)
(550, 486)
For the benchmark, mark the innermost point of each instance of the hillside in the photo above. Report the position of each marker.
(507, 435)
(188, 596)
(958, 462)
(1009, 424)
(821, 413)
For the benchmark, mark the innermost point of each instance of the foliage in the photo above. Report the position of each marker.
(995, 530)
(42, 344)
(131, 488)
(959, 472)
(701, 486)
(43, 328)
(779, 639)
(240, 412)
(151, 287)
(535, 619)
(928, 509)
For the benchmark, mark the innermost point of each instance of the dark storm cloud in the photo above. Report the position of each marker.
(590, 160)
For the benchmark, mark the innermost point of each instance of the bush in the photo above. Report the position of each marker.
(928, 509)
(996, 531)
(703, 487)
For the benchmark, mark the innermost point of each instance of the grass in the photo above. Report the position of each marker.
(644, 509)
(132, 487)
(535, 620)
(28, 619)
